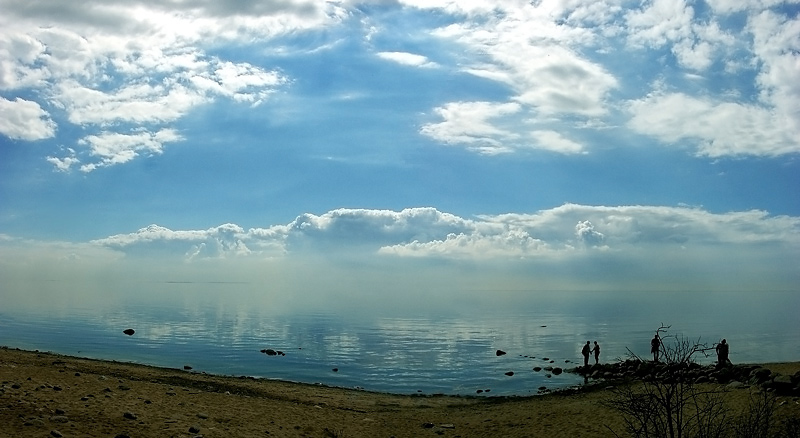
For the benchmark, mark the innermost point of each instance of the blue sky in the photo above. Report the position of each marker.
(517, 144)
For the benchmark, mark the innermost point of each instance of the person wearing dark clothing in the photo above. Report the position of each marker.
(722, 353)
(587, 349)
(655, 347)
(596, 351)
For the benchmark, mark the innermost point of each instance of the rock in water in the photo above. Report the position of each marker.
(129, 332)
(500, 352)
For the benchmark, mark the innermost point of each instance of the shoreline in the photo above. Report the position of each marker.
(47, 393)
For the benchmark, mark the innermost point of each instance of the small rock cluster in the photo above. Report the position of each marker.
(736, 375)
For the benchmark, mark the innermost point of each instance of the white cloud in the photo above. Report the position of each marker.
(18, 55)
(513, 244)
(64, 164)
(406, 58)
(493, 128)
(533, 56)
(585, 232)
(226, 240)
(694, 43)
(732, 6)
(777, 45)
(660, 22)
(427, 232)
(716, 129)
(112, 62)
(469, 123)
(115, 148)
(580, 246)
(22, 119)
(554, 141)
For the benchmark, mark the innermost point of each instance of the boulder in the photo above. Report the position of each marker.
(782, 385)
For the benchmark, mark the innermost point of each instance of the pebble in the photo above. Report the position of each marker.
(56, 433)
(194, 429)
(129, 415)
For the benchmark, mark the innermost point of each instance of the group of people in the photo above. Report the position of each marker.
(655, 348)
(588, 350)
(721, 348)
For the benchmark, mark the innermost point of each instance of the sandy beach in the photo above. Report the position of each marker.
(43, 394)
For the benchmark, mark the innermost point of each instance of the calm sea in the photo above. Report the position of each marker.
(443, 342)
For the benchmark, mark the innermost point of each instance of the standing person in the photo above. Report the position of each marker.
(596, 351)
(586, 350)
(655, 346)
(722, 353)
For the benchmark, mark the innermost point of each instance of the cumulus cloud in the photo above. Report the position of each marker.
(567, 246)
(25, 120)
(427, 232)
(585, 232)
(227, 240)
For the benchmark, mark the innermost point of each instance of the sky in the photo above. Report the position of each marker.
(391, 145)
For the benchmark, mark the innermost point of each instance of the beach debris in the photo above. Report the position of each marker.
(129, 331)
(500, 352)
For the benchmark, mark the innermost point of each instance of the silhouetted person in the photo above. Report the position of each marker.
(587, 349)
(722, 353)
(655, 347)
(596, 351)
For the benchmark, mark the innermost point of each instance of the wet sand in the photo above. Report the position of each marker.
(44, 394)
